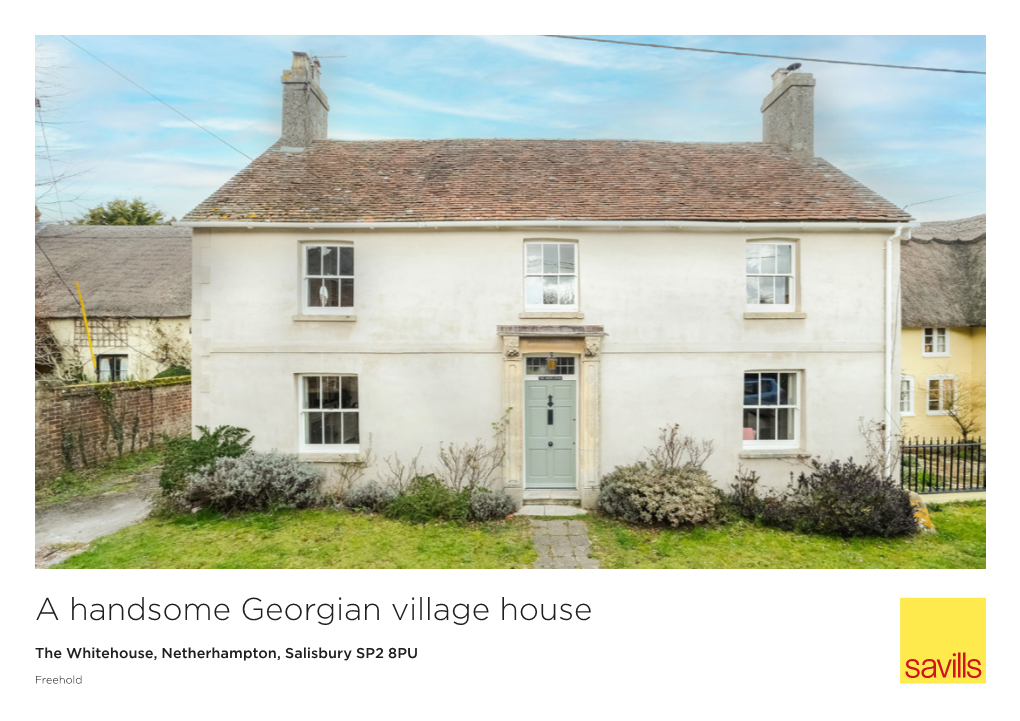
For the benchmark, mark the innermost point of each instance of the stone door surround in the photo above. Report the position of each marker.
(584, 341)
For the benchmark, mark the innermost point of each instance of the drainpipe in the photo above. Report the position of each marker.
(892, 325)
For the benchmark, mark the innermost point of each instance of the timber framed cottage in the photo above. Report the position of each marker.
(411, 291)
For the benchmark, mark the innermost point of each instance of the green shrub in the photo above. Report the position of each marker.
(369, 497)
(836, 498)
(426, 499)
(489, 505)
(173, 372)
(253, 482)
(651, 494)
(185, 455)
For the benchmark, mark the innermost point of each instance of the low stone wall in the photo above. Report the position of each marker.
(86, 425)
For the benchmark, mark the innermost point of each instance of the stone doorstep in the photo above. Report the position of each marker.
(560, 497)
(550, 510)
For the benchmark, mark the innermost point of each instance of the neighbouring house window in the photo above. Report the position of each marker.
(550, 276)
(941, 389)
(907, 396)
(105, 332)
(770, 276)
(771, 409)
(111, 368)
(329, 413)
(328, 278)
(936, 341)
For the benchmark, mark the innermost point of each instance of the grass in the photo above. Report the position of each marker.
(309, 539)
(93, 481)
(959, 543)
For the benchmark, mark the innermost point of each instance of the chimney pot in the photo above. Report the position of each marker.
(788, 113)
(305, 106)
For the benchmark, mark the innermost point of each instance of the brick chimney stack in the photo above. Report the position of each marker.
(788, 113)
(305, 107)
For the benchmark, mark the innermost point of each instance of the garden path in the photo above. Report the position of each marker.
(562, 544)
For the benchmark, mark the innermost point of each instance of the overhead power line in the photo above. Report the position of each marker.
(760, 55)
(197, 125)
(947, 197)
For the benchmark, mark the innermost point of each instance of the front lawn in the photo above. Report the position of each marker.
(960, 543)
(308, 539)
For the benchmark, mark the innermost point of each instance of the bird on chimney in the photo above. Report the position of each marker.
(793, 67)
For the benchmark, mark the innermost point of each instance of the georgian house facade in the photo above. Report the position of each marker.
(410, 293)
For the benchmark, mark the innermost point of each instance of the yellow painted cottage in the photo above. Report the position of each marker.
(942, 390)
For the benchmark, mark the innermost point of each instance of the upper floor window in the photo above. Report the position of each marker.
(329, 413)
(328, 278)
(936, 342)
(941, 394)
(550, 276)
(770, 276)
(907, 396)
(771, 409)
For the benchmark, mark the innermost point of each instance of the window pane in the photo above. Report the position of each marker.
(314, 260)
(940, 341)
(784, 259)
(104, 369)
(331, 295)
(313, 427)
(349, 391)
(766, 285)
(350, 427)
(787, 389)
(753, 266)
(782, 289)
(905, 396)
(750, 389)
(767, 424)
(347, 292)
(947, 394)
(533, 290)
(750, 424)
(752, 289)
(331, 391)
(769, 389)
(550, 290)
(933, 395)
(767, 253)
(534, 258)
(330, 260)
(568, 294)
(550, 258)
(331, 428)
(567, 259)
(312, 396)
(346, 260)
(785, 429)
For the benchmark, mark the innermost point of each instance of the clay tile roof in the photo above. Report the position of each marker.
(942, 270)
(464, 180)
(132, 271)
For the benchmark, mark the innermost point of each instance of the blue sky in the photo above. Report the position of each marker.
(911, 136)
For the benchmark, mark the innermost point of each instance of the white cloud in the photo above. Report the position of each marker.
(558, 50)
(225, 124)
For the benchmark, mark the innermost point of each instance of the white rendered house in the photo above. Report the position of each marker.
(599, 289)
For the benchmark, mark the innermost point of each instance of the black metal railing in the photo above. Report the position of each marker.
(943, 465)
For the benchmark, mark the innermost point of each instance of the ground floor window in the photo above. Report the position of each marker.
(329, 413)
(771, 409)
(111, 368)
(907, 396)
(941, 389)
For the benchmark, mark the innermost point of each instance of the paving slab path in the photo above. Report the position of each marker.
(66, 529)
(562, 544)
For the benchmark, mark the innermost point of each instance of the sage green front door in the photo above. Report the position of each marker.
(550, 434)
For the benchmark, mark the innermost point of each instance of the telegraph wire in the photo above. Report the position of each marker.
(947, 197)
(155, 98)
(760, 55)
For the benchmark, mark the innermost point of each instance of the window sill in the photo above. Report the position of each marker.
(906, 415)
(326, 318)
(938, 413)
(552, 314)
(780, 315)
(934, 355)
(773, 453)
(351, 457)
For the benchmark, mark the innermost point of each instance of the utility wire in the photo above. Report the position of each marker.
(49, 158)
(154, 97)
(969, 192)
(759, 55)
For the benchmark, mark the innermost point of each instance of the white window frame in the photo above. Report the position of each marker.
(305, 447)
(791, 276)
(795, 407)
(935, 353)
(550, 307)
(305, 277)
(941, 378)
(909, 380)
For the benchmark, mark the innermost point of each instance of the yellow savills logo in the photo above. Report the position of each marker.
(942, 640)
